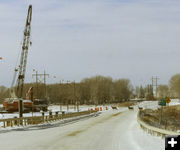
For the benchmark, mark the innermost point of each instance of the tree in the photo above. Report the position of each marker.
(85, 92)
(97, 89)
(94, 90)
(149, 92)
(174, 84)
(163, 91)
(122, 90)
(141, 92)
(4, 92)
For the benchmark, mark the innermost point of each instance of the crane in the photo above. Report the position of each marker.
(23, 60)
(24, 54)
(16, 102)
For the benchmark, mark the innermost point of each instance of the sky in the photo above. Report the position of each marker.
(75, 39)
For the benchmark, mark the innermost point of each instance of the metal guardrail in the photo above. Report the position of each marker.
(154, 130)
(24, 121)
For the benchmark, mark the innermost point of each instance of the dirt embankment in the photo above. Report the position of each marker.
(165, 117)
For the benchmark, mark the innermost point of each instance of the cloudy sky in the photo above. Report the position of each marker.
(74, 39)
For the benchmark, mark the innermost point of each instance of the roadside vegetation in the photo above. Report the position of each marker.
(165, 117)
(94, 90)
(127, 104)
(98, 90)
(171, 90)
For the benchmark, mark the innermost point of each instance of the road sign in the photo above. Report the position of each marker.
(162, 102)
(168, 100)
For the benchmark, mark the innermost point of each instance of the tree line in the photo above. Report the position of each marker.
(94, 90)
(172, 90)
(97, 90)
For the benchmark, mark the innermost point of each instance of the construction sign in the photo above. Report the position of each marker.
(168, 100)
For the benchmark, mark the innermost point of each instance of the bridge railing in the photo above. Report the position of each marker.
(24, 121)
(154, 130)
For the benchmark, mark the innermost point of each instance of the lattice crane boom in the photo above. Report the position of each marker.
(24, 53)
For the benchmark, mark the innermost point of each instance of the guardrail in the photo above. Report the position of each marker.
(24, 121)
(154, 130)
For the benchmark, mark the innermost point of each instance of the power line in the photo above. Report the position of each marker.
(44, 75)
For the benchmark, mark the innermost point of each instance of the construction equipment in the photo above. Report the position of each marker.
(24, 53)
(37, 104)
(16, 95)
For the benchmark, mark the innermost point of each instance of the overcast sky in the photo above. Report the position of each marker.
(74, 39)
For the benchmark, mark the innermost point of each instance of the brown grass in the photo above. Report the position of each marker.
(170, 117)
(126, 104)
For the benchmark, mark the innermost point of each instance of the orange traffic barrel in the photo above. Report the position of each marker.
(97, 108)
(100, 108)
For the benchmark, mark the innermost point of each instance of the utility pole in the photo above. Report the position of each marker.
(74, 96)
(67, 97)
(62, 100)
(156, 85)
(155, 79)
(44, 75)
(36, 83)
(45, 89)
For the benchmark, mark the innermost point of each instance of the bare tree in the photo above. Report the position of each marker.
(174, 84)
(163, 91)
(122, 90)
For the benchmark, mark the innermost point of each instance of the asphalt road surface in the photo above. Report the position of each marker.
(112, 130)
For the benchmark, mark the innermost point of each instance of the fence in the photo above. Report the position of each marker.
(24, 121)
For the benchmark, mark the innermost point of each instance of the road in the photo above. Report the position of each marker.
(112, 130)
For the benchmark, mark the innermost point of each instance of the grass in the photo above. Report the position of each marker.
(126, 104)
(166, 117)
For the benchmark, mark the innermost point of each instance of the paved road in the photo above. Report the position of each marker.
(113, 130)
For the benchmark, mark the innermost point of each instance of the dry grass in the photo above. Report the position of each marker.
(166, 117)
(126, 104)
